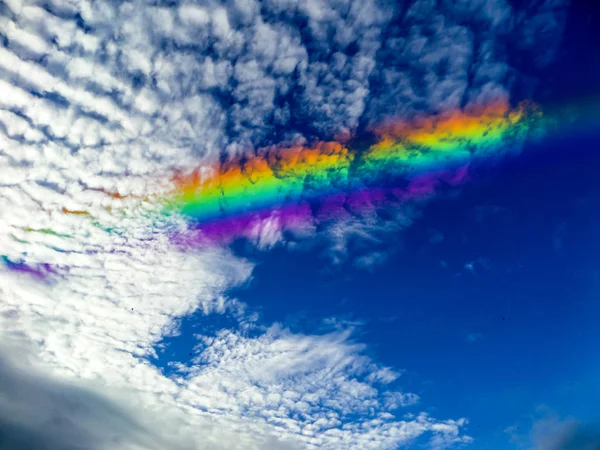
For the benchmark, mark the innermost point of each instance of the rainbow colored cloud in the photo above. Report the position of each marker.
(295, 188)
(292, 186)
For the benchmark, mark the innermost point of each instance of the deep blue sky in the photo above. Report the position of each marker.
(490, 299)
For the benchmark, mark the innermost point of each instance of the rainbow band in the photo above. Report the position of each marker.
(406, 162)
(286, 188)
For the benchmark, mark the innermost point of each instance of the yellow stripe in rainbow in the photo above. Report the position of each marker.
(408, 158)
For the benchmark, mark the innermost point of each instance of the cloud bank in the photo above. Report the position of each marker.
(40, 412)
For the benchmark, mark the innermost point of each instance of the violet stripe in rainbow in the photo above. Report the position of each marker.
(288, 187)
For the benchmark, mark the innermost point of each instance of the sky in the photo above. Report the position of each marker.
(299, 224)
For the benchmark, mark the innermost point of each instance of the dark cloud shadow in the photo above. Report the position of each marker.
(39, 412)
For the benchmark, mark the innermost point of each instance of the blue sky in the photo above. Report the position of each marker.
(471, 324)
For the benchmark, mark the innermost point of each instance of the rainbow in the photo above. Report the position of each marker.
(299, 187)
(292, 186)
